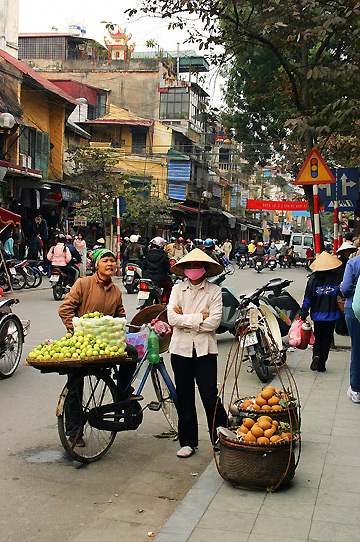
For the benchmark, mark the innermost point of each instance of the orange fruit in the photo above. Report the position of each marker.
(266, 394)
(246, 404)
(276, 407)
(274, 438)
(264, 418)
(270, 388)
(256, 407)
(243, 429)
(266, 407)
(260, 401)
(263, 440)
(257, 431)
(264, 424)
(249, 437)
(269, 432)
(275, 423)
(273, 400)
(284, 435)
(248, 422)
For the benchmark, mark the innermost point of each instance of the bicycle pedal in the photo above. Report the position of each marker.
(154, 406)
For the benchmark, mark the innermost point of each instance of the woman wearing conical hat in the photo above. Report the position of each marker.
(194, 311)
(320, 297)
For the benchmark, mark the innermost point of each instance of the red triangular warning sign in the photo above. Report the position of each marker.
(314, 171)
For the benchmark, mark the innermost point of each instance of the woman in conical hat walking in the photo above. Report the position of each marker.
(194, 311)
(320, 297)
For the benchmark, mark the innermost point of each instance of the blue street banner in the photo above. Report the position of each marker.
(345, 190)
(122, 205)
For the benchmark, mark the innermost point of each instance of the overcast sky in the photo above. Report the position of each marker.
(43, 15)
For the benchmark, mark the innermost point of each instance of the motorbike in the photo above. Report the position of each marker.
(174, 278)
(251, 260)
(241, 261)
(284, 261)
(59, 282)
(12, 334)
(271, 263)
(227, 265)
(259, 264)
(150, 293)
(132, 277)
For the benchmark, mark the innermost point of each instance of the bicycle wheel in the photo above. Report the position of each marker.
(230, 269)
(165, 393)
(4, 283)
(18, 280)
(82, 394)
(11, 343)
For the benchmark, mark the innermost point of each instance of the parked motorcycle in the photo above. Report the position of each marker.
(12, 334)
(132, 277)
(284, 261)
(271, 263)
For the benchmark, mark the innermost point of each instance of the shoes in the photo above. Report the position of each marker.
(315, 363)
(321, 369)
(80, 442)
(354, 395)
(185, 451)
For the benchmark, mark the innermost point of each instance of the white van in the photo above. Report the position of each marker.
(301, 242)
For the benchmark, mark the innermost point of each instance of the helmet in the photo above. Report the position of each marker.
(209, 243)
(188, 240)
(261, 244)
(243, 242)
(180, 240)
(252, 241)
(68, 237)
(134, 238)
(126, 239)
(61, 238)
(158, 241)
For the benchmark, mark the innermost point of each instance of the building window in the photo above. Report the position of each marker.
(27, 143)
(100, 104)
(138, 144)
(224, 156)
(174, 104)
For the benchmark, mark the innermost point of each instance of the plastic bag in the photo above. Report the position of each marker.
(295, 332)
(139, 340)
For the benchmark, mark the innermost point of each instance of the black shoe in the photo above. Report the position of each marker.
(321, 369)
(315, 363)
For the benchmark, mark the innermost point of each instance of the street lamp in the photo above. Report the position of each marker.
(7, 122)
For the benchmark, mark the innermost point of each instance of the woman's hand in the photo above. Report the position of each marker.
(178, 310)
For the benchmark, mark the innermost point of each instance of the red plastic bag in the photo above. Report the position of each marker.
(295, 332)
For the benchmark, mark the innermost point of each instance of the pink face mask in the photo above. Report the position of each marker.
(194, 274)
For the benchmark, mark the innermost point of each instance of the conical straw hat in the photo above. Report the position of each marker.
(196, 255)
(346, 246)
(325, 262)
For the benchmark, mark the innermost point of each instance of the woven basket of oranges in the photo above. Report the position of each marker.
(278, 404)
(259, 455)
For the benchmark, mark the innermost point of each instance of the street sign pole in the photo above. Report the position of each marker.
(316, 220)
(336, 225)
(340, 229)
(118, 267)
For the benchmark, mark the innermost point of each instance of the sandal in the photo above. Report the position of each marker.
(185, 451)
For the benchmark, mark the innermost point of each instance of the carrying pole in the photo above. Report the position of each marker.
(118, 266)
(316, 220)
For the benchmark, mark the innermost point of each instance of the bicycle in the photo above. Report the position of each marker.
(100, 407)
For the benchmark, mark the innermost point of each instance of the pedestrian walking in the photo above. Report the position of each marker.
(194, 311)
(347, 287)
(80, 245)
(227, 248)
(320, 297)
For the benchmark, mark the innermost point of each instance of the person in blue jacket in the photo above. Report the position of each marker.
(347, 287)
(320, 297)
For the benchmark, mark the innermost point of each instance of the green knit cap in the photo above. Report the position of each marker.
(101, 253)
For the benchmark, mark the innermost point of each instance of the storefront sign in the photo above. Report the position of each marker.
(277, 205)
(80, 221)
(70, 195)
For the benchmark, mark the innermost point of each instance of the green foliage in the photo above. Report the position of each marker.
(95, 172)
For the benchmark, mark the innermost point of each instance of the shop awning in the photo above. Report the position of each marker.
(7, 217)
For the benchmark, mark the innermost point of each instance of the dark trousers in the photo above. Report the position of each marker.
(323, 332)
(203, 370)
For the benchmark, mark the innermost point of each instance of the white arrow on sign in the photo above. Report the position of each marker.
(344, 183)
(342, 203)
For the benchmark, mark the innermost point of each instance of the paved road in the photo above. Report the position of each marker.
(45, 496)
